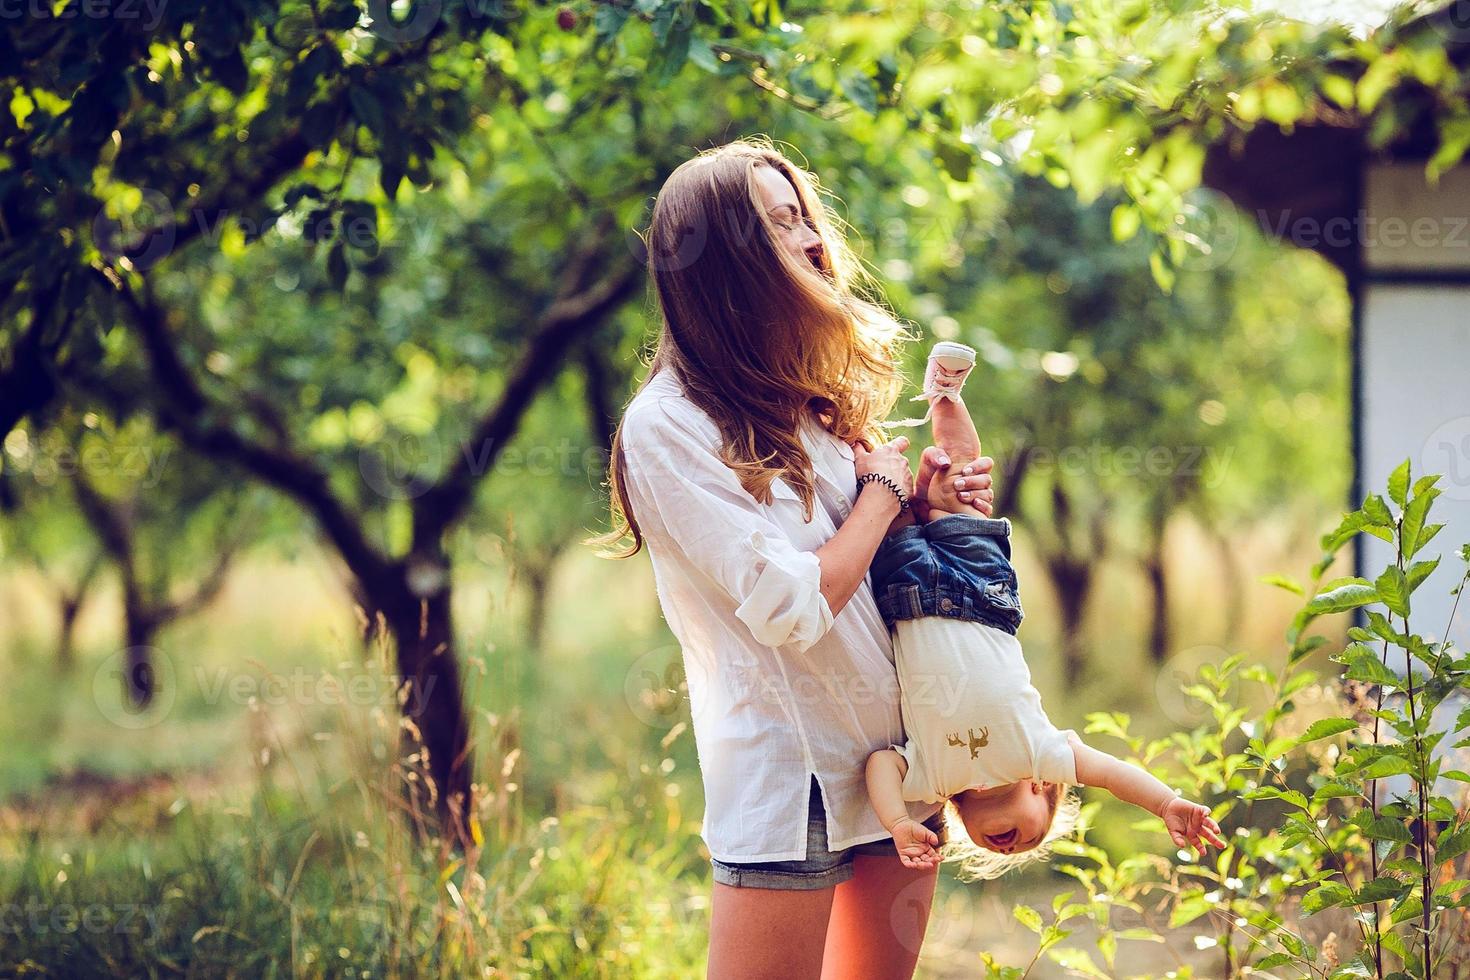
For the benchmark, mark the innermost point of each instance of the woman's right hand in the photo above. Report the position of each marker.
(887, 460)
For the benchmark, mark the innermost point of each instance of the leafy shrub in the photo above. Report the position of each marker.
(1329, 872)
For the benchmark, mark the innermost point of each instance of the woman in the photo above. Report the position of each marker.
(737, 461)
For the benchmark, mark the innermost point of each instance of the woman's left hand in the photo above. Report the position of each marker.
(974, 482)
(976, 485)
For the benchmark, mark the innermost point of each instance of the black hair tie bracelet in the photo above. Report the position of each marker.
(903, 498)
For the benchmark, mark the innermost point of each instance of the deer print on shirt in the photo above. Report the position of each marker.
(975, 743)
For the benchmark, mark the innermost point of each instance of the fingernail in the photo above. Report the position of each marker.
(943, 460)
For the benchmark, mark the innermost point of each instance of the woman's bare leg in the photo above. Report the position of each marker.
(878, 920)
(760, 933)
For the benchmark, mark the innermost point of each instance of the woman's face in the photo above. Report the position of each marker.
(794, 231)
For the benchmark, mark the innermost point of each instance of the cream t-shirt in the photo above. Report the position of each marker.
(970, 714)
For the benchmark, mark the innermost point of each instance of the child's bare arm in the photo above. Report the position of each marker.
(1188, 823)
(1128, 783)
(885, 772)
(916, 844)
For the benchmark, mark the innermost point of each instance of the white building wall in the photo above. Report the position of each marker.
(1414, 363)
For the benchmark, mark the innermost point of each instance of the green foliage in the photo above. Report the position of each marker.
(1342, 826)
(313, 872)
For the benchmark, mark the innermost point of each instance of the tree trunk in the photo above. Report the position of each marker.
(1230, 570)
(1158, 583)
(140, 627)
(536, 574)
(1073, 581)
(66, 658)
(70, 603)
(423, 634)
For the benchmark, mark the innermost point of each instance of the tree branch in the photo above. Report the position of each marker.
(186, 410)
(28, 381)
(573, 314)
(597, 388)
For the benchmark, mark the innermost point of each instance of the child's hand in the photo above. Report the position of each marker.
(1189, 823)
(917, 845)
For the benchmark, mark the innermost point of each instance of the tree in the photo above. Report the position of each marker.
(139, 146)
(1111, 406)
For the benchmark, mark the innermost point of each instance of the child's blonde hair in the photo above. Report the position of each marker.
(977, 863)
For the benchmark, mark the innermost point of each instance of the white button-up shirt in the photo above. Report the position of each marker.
(779, 688)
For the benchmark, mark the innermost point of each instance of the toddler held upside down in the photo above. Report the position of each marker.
(949, 595)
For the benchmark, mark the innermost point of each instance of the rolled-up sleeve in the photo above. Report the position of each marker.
(681, 492)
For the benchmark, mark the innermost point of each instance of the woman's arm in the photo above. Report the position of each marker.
(848, 553)
(684, 494)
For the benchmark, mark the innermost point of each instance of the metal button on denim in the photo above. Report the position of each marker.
(947, 604)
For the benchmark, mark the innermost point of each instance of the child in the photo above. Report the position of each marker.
(978, 739)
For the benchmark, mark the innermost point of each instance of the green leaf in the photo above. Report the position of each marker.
(1325, 896)
(858, 87)
(1339, 89)
(1334, 790)
(1347, 528)
(1162, 272)
(1364, 664)
(609, 20)
(1283, 582)
(1411, 910)
(1271, 962)
(1421, 570)
(1377, 511)
(1126, 220)
(1028, 917)
(1452, 845)
(1389, 765)
(701, 54)
(666, 60)
(1191, 905)
(1381, 828)
(1294, 797)
(1381, 889)
(956, 156)
(320, 122)
(1326, 728)
(1398, 483)
(1413, 524)
(1342, 598)
(1077, 962)
(1393, 589)
(366, 109)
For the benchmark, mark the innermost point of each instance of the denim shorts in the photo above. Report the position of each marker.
(957, 566)
(821, 867)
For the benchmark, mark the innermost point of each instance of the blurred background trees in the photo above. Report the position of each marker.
(325, 312)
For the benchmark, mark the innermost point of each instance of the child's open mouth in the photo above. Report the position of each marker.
(1000, 842)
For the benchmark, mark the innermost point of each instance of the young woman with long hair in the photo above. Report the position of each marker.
(740, 462)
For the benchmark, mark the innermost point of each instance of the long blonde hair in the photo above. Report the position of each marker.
(756, 336)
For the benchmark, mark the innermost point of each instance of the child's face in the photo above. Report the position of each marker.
(1009, 822)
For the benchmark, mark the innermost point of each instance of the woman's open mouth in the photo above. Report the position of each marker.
(1000, 842)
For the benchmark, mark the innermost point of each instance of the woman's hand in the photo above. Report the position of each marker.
(973, 484)
(887, 460)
